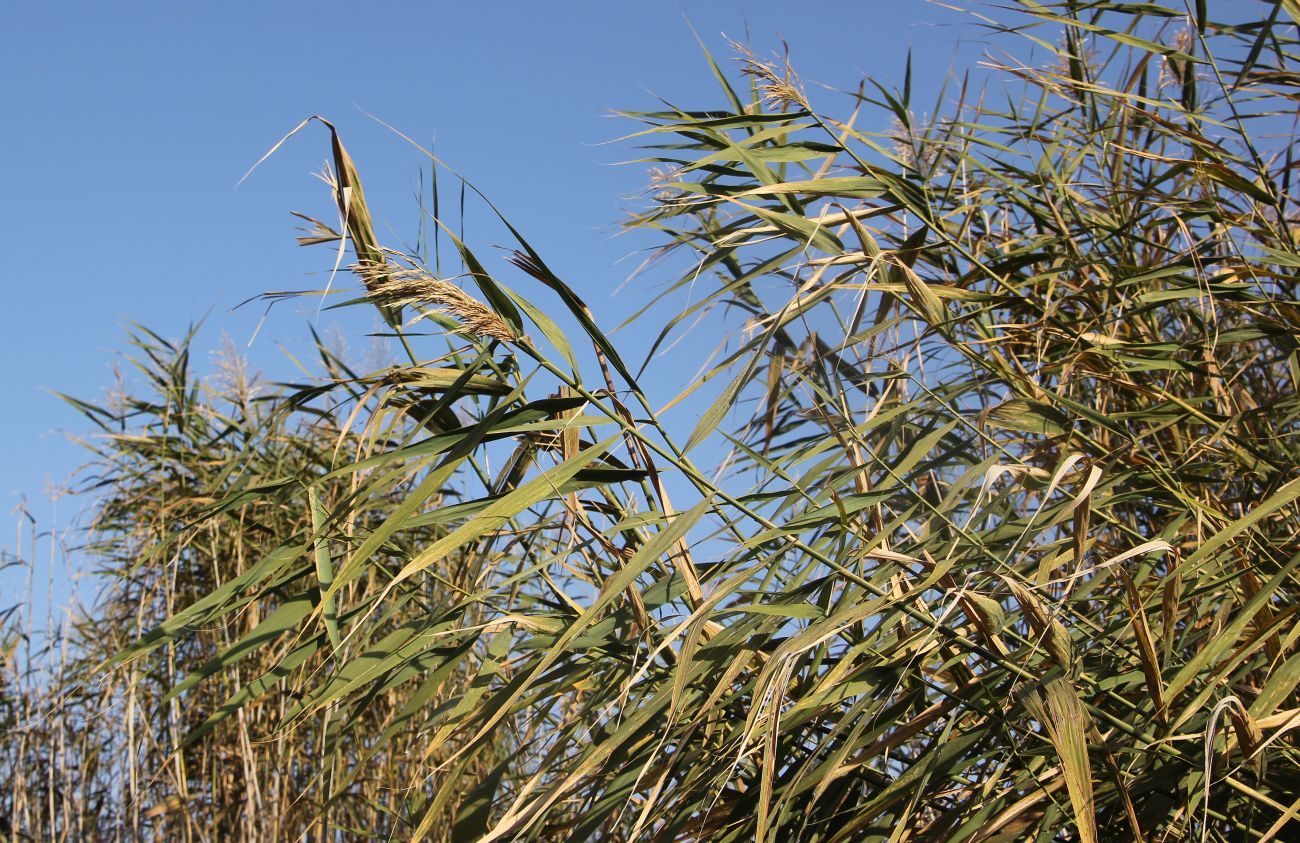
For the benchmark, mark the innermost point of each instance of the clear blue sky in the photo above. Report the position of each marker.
(126, 126)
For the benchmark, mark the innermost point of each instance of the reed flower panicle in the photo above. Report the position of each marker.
(394, 286)
(781, 86)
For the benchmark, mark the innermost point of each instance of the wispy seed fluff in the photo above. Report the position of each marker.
(781, 86)
(397, 286)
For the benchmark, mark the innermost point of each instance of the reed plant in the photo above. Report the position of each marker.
(984, 528)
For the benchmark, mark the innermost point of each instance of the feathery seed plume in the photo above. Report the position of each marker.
(781, 86)
(396, 287)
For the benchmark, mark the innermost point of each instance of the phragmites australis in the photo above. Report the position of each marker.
(397, 286)
(781, 86)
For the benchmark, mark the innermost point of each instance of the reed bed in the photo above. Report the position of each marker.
(984, 526)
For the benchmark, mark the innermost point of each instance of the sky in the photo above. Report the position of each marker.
(128, 125)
